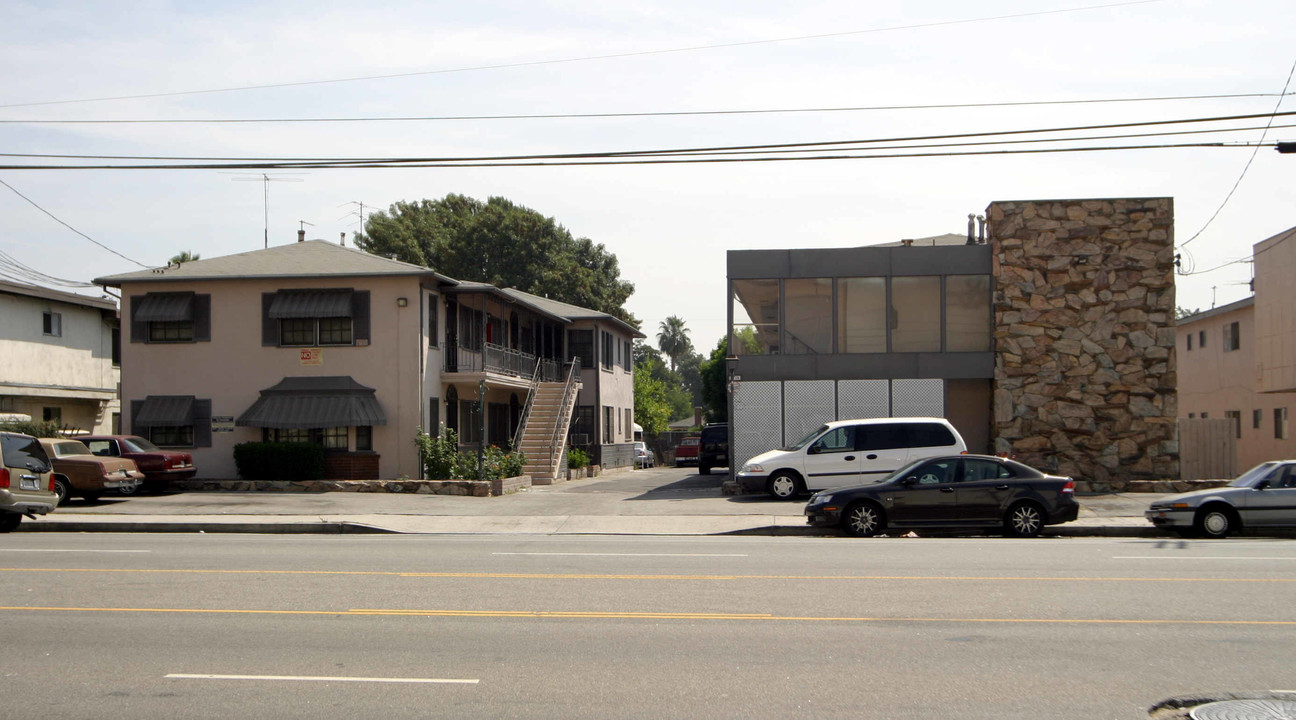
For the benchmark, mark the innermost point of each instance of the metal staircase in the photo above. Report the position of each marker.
(543, 437)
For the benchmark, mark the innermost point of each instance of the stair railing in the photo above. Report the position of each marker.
(526, 411)
(558, 438)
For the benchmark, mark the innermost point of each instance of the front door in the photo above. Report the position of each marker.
(832, 460)
(984, 491)
(930, 499)
(1275, 505)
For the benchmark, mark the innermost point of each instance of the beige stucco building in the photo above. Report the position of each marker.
(1238, 361)
(58, 359)
(314, 342)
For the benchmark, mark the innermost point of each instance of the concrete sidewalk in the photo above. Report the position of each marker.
(662, 501)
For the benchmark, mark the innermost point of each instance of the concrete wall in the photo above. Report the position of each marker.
(1275, 311)
(613, 388)
(1085, 370)
(234, 367)
(73, 371)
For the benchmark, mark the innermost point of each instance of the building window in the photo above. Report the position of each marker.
(172, 436)
(52, 414)
(627, 357)
(1205, 415)
(116, 347)
(470, 421)
(1192, 416)
(1201, 338)
(807, 316)
(1236, 417)
(605, 357)
(310, 332)
(582, 428)
(1256, 417)
(1280, 423)
(629, 425)
(609, 423)
(1189, 336)
(171, 331)
(580, 344)
(967, 313)
(52, 324)
(861, 315)
(364, 435)
(332, 438)
(1231, 340)
(432, 320)
(915, 314)
(755, 307)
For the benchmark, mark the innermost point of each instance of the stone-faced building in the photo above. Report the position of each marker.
(1051, 340)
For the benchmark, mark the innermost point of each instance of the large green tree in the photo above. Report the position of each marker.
(714, 381)
(673, 339)
(649, 363)
(500, 243)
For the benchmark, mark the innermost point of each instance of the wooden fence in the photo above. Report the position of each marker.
(1207, 448)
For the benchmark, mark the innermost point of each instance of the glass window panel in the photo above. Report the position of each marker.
(967, 313)
(177, 331)
(335, 438)
(364, 435)
(808, 316)
(335, 331)
(915, 314)
(755, 318)
(297, 331)
(861, 315)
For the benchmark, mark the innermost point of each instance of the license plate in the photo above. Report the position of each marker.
(28, 484)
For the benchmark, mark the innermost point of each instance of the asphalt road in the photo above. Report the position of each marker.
(233, 626)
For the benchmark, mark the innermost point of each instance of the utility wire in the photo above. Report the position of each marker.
(610, 56)
(1250, 160)
(667, 113)
(16, 270)
(802, 147)
(69, 227)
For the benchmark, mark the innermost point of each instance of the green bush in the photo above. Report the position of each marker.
(577, 458)
(279, 461)
(35, 429)
(496, 464)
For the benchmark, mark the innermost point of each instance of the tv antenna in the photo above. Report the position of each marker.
(360, 210)
(265, 179)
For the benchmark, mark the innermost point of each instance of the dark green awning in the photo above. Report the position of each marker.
(165, 307)
(290, 304)
(314, 402)
(166, 411)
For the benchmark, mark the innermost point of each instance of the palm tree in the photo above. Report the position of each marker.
(184, 257)
(673, 339)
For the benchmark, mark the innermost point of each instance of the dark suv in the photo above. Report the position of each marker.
(715, 447)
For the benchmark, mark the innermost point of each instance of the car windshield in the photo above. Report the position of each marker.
(905, 471)
(70, 447)
(1249, 478)
(138, 444)
(689, 441)
(806, 440)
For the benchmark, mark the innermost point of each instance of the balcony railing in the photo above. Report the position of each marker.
(500, 360)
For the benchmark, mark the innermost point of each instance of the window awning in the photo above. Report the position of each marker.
(291, 304)
(314, 402)
(166, 411)
(165, 307)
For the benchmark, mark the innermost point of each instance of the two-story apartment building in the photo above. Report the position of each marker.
(58, 357)
(314, 342)
(1238, 361)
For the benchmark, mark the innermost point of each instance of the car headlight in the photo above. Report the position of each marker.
(753, 468)
(821, 499)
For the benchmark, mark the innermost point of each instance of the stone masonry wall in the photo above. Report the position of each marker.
(1084, 337)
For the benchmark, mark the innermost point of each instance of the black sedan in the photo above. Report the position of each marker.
(956, 491)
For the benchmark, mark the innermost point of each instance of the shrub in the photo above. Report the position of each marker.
(440, 455)
(33, 428)
(279, 461)
(577, 458)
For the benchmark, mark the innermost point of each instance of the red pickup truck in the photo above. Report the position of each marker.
(686, 453)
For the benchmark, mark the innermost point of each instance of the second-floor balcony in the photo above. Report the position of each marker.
(498, 360)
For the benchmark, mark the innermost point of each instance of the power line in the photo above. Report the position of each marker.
(665, 113)
(69, 227)
(589, 58)
(284, 163)
(1250, 160)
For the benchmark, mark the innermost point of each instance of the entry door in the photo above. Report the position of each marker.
(832, 460)
(883, 449)
(1276, 504)
(984, 490)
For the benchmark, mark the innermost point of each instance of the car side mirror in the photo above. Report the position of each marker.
(1263, 484)
(911, 480)
(813, 450)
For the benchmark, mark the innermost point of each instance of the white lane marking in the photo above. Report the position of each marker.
(9, 550)
(579, 554)
(315, 678)
(1196, 557)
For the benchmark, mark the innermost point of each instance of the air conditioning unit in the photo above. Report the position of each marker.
(581, 439)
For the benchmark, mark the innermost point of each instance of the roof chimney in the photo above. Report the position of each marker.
(342, 240)
(907, 243)
(971, 229)
(301, 235)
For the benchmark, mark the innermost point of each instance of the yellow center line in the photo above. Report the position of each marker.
(622, 576)
(635, 615)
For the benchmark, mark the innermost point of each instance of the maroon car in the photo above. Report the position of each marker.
(158, 465)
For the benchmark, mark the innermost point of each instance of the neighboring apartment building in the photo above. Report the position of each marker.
(314, 342)
(58, 358)
(1051, 340)
(1237, 360)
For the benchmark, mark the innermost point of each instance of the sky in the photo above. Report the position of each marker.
(832, 65)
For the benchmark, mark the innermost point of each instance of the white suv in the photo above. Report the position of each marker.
(26, 480)
(849, 452)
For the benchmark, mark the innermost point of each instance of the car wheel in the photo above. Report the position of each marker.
(1025, 519)
(91, 497)
(705, 470)
(130, 489)
(784, 485)
(9, 521)
(62, 489)
(1215, 521)
(863, 520)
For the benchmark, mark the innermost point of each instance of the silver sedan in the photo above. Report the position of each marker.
(1263, 497)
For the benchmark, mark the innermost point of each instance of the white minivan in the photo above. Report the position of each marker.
(849, 452)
